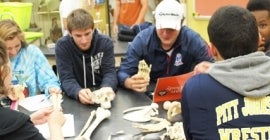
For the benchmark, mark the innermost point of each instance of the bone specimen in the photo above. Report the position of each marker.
(156, 127)
(92, 114)
(56, 100)
(174, 108)
(141, 114)
(175, 132)
(144, 70)
(103, 96)
(101, 114)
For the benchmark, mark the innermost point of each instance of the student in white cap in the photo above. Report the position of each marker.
(169, 47)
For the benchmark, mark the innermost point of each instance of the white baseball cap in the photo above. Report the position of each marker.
(168, 14)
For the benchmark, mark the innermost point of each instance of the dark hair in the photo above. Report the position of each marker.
(79, 19)
(255, 5)
(233, 30)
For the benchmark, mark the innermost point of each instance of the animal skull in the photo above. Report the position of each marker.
(103, 96)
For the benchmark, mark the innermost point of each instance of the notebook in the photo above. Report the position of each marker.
(170, 88)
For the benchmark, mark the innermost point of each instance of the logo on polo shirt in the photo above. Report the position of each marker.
(178, 60)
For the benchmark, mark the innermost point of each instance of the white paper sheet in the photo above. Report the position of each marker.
(35, 103)
(67, 129)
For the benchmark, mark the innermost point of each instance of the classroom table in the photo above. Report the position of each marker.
(124, 99)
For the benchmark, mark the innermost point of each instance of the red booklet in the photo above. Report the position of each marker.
(170, 88)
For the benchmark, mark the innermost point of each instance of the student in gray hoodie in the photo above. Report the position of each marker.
(230, 101)
(85, 58)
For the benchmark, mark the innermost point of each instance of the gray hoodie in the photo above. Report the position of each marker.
(248, 75)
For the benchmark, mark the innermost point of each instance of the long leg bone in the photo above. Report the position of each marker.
(93, 113)
(101, 114)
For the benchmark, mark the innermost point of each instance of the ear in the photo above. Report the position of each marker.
(213, 49)
(69, 34)
(215, 52)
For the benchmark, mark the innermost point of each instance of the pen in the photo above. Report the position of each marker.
(46, 98)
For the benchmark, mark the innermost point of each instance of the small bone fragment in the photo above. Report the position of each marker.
(56, 100)
(174, 108)
(162, 124)
(175, 132)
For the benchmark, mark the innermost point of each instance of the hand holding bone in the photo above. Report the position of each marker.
(139, 81)
(16, 92)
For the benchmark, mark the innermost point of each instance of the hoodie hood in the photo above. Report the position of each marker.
(248, 75)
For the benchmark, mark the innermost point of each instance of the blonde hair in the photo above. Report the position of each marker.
(9, 29)
(4, 68)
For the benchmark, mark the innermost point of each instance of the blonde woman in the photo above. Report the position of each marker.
(17, 125)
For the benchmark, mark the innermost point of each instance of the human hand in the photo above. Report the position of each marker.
(131, 27)
(55, 90)
(84, 97)
(55, 122)
(41, 116)
(56, 118)
(115, 29)
(137, 23)
(137, 83)
(202, 67)
(16, 92)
